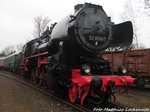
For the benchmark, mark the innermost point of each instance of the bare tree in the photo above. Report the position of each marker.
(143, 7)
(147, 7)
(40, 24)
(19, 47)
(2, 54)
(129, 14)
(8, 50)
(147, 3)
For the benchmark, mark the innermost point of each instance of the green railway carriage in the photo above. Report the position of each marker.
(18, 62)
(13, 61)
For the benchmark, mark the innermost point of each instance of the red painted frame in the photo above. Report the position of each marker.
(41, 60)
(80, 84)
(83, 83)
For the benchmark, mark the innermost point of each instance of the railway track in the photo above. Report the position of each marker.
(86, 108)
(144, 91)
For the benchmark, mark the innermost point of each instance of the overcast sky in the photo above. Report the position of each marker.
(17, 16)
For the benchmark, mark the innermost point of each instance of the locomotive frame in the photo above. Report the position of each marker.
(79, 86)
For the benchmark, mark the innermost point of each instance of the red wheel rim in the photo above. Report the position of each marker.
(72, 93)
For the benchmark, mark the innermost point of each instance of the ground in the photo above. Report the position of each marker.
(15, 97)
(135, 98)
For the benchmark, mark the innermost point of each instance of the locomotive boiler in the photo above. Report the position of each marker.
(67, 56)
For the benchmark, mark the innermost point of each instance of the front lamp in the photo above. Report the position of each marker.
(86, 69)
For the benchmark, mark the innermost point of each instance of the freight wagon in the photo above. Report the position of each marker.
(2, 62)
(136, 62)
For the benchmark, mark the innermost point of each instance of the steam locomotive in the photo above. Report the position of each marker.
(66, 57)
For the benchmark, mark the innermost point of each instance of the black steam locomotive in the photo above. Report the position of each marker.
(66, 57)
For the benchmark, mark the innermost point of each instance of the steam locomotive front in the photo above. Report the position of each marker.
(94, 32)
(93, 27)
(89, 26)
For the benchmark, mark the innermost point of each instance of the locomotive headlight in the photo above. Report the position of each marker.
(124, 70)
(86, 69)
